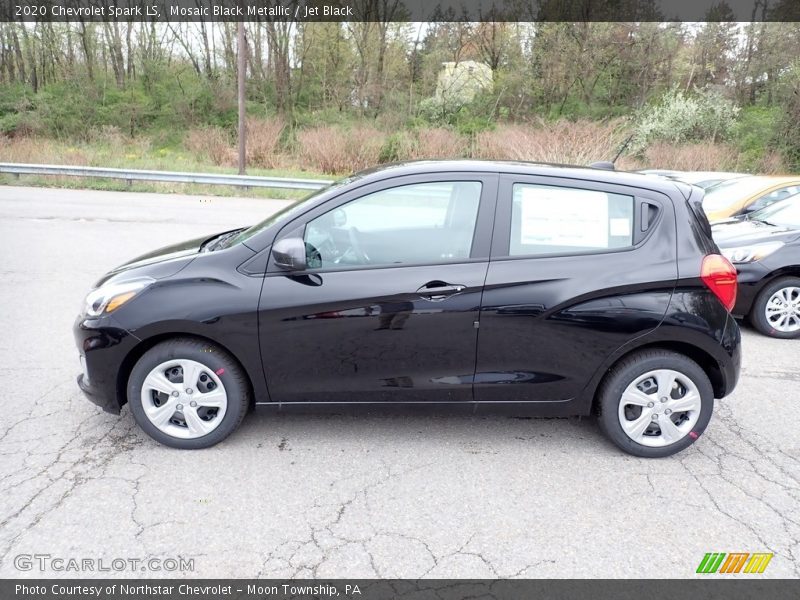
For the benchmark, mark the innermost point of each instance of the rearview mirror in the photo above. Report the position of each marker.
(290, 254)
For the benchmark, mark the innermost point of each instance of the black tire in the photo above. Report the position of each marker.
(758, 317)
(229, 372)
(629, 369)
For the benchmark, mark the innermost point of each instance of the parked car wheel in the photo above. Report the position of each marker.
(187, 393)
(776, 310)
(655, 403)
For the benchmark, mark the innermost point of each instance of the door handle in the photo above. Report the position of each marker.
(439, 290)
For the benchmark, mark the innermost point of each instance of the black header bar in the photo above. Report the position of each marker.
(399, 10)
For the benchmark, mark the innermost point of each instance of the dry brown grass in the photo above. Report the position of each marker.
(772, 163)
(565, 142)
(339, 151)
(108, 134)
(263, 141)
(705, 156)
(41, 151)
(17, 149)
(692, 157)
(213, 144)
(438, 143)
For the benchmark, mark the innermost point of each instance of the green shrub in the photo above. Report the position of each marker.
(755, 133)
(395, 147)
(472, 124)
(9, 123)
(787, 136)
(15, 102)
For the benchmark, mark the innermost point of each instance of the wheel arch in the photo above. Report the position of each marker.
(788, 271)
(146, 344)
(704, 359)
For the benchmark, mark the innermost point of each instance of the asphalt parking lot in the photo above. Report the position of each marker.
(360, 495)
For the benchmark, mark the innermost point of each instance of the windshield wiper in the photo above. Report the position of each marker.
(218, 241)
(765, 222)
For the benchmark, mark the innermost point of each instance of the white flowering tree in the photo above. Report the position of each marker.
(682, 117)
(456, 86)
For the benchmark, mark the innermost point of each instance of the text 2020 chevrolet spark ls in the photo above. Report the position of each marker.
(541, 289)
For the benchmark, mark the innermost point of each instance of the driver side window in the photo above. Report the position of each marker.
(411, 224)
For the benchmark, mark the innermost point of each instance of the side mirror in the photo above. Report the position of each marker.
(290, 254)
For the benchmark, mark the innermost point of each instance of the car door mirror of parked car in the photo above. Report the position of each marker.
(290, 254)
(752, 208)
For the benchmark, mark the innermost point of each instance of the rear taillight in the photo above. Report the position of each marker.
(720, 276)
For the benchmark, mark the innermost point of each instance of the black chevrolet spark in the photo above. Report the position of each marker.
(537, 289)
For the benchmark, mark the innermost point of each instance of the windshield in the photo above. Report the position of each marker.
(286, 213)
(709, 183)
(726, 193)
(785, 213)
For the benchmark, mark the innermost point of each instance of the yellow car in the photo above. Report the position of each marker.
(747, 194)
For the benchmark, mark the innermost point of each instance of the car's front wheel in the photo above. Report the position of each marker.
(776, 310)
(187, 393)
(655, 403)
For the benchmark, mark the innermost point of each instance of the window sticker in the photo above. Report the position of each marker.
(562, 217)
(620, 227)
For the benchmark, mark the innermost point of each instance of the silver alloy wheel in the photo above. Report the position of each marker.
(783, 310)
(184, 398)
(659, 408)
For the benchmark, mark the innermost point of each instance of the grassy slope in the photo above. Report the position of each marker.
(136, 154)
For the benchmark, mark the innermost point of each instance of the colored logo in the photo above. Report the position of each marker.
(734, 562)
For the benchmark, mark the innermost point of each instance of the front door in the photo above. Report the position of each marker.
(387, 309)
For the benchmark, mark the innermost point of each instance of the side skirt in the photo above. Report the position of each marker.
(564, 408)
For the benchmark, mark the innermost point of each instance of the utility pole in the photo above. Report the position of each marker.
(241, 68)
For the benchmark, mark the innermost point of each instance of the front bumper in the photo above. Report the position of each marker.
(752, 277)
(107, 403)
(103, 346)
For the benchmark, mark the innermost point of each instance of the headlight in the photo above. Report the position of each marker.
(746, 254)
(108, 298)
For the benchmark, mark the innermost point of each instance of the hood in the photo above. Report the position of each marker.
(732, 233)
(160, 263)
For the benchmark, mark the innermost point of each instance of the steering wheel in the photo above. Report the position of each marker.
(355, 246)
(313, 257)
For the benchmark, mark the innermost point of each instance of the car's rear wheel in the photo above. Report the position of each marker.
(187, 393)
(776, 310)
(655, 403)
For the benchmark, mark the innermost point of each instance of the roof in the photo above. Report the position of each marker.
(628, 178)
(773, 179)
(755, 183)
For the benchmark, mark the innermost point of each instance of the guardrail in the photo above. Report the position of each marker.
(168, 176)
